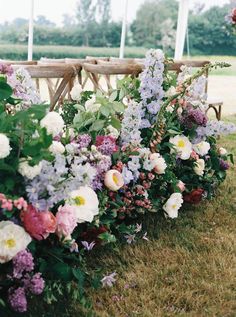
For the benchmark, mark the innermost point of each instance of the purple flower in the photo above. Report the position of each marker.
(88, 246)
(22, 262)
(34, 284)
(193, 117)
(83, 141)
(109, 280)
(17, 299)
(130, 238)
(6, 69)
(224, 165)
(106, 144)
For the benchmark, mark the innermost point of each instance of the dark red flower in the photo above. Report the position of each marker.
(194, 197)
(92, 234)
(234, 15)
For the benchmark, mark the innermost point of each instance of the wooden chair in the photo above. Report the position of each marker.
(65, 73)
(214, 104)
(104, 70)
(10, 62)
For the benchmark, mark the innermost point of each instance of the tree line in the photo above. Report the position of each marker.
(154, 26)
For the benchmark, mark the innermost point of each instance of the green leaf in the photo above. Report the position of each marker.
(106, 236)
(113, 96)
(63, 271)
(5, 91)
(116, 123)
(118, 106)
(105, 111)
(97, 125)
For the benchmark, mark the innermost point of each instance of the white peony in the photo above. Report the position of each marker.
(13, 239)
(76, 92)
(159, 163)
(113, 180)
(91, 105)
(173, 205)
(202, 148)
(4, 146)
(113, 132)
(86, 203)
(182, 145)
(57, 148)
(199, 167)
(223, 151)
(53, 123)
(28, 171)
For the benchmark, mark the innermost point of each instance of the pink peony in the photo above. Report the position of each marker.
(66, 221)
(38, 224)
(181, 186)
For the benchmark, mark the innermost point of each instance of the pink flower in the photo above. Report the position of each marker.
(7, 204)
(20, 203)
(66, 221)
(38, 224)
(181, 186)
(194, 155)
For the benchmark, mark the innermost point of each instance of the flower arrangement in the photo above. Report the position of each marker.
(231, 19)
(78, 179)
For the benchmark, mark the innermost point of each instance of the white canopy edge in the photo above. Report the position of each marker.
(181, 28)
(124, 27)
(31, 31)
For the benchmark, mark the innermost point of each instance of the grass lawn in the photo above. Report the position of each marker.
(188, 268)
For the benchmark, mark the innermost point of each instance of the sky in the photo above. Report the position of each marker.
(54, 9)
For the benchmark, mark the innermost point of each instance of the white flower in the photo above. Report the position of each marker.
(76, 92)
(57, 148)
(159, 163)
(86, 203)
(182, 145)
(170, 92)
(199, 167)
(170, 108)
(13, 239)
(114, 180)
(28, 171)
(53, 123)
(223, 151)
(91, 105)
(113, 132)
(4, 146)
(173, 205)
(202, 148)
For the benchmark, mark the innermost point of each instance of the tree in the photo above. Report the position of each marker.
(86, 12)
(41, 20)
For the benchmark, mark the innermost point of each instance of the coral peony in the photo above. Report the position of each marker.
(194, 197)
(38, 224)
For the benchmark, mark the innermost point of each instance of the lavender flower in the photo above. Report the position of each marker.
(35, 284)
(17, 299)
(224, 165)
(83, 141)
(193, 116)
(88, 246)
(214, 128)
(22, 262)
(109, 280)
(130, 238)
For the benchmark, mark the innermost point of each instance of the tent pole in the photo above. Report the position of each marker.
(181, 28)
(31, 31)
(123, 33)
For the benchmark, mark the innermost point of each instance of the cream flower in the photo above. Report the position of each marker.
(182, 145)
(13, 239)
(4, 146)
(91, 105)
(173, 205)
(170, 92)
(159, 163)
(53, 123)
(57, 148)
(76, 92)
(85, 203)
(113, 180)
(202, 148)
(222, 151)
(28, 171)
(113, 132)
(199, 167)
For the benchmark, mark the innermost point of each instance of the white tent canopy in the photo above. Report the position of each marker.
(180, 36)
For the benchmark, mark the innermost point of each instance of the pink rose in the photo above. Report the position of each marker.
(194, 155)
(66, 221)
(38, 224)
(181, 186)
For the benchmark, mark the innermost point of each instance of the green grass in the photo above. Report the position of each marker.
(19, 52)
(187, 269)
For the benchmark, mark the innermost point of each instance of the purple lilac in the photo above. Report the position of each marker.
(34, 284)
(22, 262)
(83, 141)
(17, 299)
(6, 69)
(224, 165)
(106, 144)
(193, 117)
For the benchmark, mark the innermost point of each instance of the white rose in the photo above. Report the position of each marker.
(91, 105)
(28, 171)
(57, 148)
(76, 92)
(53, 123)
(173, 205)
(182, 145)
(113, 132)
(223, 151)
(202, 148)
(86, 204)
(159, 163)
(13, 239)
(113, 180)
(5, 148)
(199, 167)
